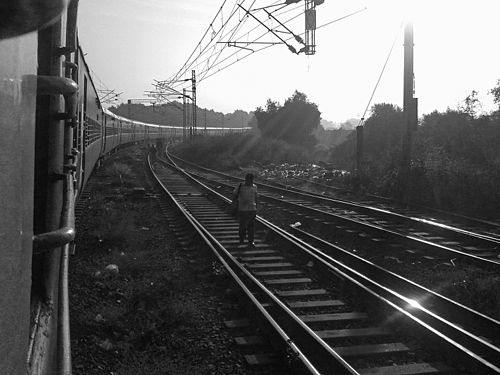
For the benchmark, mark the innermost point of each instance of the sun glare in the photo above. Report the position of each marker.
(414, 304)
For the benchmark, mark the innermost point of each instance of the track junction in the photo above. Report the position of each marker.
(325, 307)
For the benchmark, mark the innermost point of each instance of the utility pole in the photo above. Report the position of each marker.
(193, 100)
(359, 155)
(183, 114)
(188, 118)
(409, 109)
(310, 13)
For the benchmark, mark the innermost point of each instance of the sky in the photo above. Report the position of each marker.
(131, 43)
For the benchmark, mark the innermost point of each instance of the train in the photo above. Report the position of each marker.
(54, 131)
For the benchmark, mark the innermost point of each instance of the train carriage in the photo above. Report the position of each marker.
(17, 125)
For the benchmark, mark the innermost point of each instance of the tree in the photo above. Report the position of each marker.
(293, 122)
(383, 132)
(383, 129)
(471, 105)
(496, 93)
(266, 118)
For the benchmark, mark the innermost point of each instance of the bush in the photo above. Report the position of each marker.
(455, 160)
(235, 150)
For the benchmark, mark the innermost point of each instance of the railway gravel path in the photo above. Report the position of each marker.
(163, 309)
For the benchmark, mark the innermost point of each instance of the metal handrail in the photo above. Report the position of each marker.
(63, 331)
(53, 240)
(61, 237)
(49, 85)
(66, 233)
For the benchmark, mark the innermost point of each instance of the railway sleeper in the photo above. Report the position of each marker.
(375, 339)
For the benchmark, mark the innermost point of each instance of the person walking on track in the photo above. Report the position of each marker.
(247, 208)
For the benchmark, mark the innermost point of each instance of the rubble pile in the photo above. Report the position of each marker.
(314, 172)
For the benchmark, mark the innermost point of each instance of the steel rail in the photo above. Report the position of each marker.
(472, 220)
(433, 324)
(417, 241)
(230, 264)
(361, 207)
(462, 315)
(290, 188)
(473, 325)
(469, 317)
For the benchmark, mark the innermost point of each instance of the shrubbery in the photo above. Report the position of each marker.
(283, 134)
(454, 166)
(294, 122)
(455, 163)
(235, 150)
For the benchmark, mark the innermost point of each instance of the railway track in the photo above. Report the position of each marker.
(326, 315)
(414, 236)
(418, 212)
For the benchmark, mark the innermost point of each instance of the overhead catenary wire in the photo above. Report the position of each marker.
(191, 64)
(248, 54)
(207, 59)
(203, 73)
(380, 75)
(187, 65)
(201, 40)
(269, 46)
(106, 95)
(240, 23)
(238, 40)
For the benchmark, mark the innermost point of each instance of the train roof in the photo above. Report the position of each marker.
(121, 118)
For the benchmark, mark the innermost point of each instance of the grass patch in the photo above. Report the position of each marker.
(479, 292)
(468, 285)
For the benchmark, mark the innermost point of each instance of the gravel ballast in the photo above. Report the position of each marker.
(140, 303)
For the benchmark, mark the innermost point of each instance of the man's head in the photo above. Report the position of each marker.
(249, 179)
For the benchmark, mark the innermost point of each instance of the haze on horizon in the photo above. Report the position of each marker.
(130, 43)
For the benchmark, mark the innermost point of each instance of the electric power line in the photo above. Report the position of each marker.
(380, 76)
(210, 61)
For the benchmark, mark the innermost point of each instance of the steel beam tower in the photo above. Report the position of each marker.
(184, 117)
(193, 101)
(310, 27)
(410, 110)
